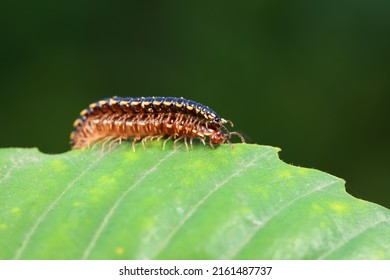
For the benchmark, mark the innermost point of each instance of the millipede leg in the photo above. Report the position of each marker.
(230, 144)
(136, 138)
(83, 148)
(114, 142)
(185, 142)
(146, 139)
(176, 140)
(105, 142)
(211, 144)
(170, 137)
(94, 145)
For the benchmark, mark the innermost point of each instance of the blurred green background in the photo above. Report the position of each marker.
(311, 77)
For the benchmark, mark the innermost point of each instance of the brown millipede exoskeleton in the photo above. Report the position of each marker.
(115, 119)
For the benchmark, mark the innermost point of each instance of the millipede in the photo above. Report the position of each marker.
(147, 118)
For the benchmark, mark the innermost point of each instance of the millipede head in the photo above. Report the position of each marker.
(218, 138)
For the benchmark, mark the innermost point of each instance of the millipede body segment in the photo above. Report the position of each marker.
(147, 118)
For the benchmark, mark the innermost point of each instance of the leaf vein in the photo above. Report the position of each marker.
(91, 245)
(351, 237)
(266, 220)
(8, 173)
(190, 213)
(42, 217)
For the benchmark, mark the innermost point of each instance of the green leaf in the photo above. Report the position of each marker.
(171, 204)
